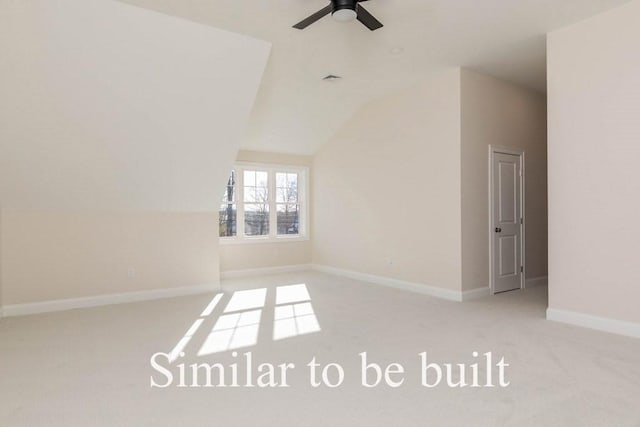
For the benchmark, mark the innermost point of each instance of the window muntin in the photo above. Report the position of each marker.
(267, 203)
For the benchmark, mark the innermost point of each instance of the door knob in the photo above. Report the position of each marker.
(498, 230)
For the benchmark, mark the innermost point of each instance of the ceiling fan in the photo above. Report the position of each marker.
(343, 10)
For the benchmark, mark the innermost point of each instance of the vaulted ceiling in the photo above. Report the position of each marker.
(296, 111)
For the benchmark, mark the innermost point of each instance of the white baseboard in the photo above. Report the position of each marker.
(100, 300)
(405, 285)
(536, 281)
(251, 272)
(477, 293)
(605, 324)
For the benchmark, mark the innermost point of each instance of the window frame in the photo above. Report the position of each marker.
(273, 236)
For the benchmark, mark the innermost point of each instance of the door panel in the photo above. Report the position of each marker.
(507, 231)
(506, 192)
(507, 251)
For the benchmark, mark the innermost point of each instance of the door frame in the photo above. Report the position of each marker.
(496, 149)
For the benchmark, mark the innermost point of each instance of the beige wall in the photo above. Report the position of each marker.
(273, 158)
(495, 112)
(386, 188)
(110, 115)
(107, 106)
(594, 178)
(247, 256)
(48, 256)
(243, 256)
(402, 190)
(1, 287)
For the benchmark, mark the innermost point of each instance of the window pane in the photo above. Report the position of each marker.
(256, 187)
(228, 220)
(256, 195)
(286, 187)
(256, 219)
(262, 179)
(229, 194)
(288, 218)
(250, 178)
(292, 180)
(250, 194)
(228, 212)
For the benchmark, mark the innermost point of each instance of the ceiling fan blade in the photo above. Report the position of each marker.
(313, 18)
(367, 19)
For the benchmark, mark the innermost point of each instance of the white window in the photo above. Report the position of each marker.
(264, 203)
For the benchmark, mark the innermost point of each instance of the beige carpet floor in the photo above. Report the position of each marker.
(92, 367)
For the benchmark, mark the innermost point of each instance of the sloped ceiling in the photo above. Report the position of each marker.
(109, 106)
(296, 111)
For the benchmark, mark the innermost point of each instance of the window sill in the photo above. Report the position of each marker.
(224, 241)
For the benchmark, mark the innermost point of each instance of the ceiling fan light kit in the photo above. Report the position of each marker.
(343, 11)
(344, 15)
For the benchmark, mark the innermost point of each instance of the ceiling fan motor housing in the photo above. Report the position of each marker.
(343, 4)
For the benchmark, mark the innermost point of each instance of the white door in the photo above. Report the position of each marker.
(507, 219)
